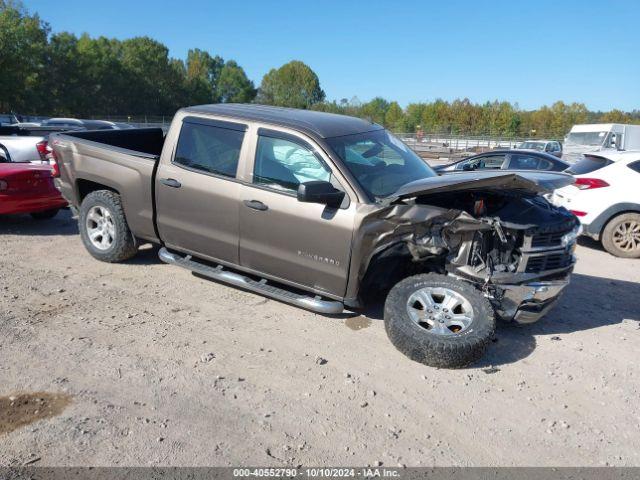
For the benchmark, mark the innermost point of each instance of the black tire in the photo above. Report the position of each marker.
(612, 244)
(454, 350)
(46, 215)
(123, 245)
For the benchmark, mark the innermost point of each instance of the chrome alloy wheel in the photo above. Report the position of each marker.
(101, 229)
(440, 311)
(626, 236)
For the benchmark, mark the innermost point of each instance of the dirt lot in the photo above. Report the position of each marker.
(155, 366)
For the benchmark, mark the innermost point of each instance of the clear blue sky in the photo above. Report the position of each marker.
(532, 52)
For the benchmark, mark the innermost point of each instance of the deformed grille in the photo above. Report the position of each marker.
(553, 261)
(547, 239)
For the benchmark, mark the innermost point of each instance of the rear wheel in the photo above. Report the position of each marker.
(621, 236)
(104, 229)
(46, 215)
(438, 321)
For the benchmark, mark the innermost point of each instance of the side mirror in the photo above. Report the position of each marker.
(467, 166)
(320, 191)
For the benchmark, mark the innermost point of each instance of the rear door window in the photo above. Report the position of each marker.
(524, 162)
(588, 164)
(210, 149)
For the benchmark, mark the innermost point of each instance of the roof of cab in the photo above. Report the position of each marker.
(320, 124)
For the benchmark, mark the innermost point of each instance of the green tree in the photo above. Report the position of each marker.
(394, 118)
(233, 85)
(375, 110)
(66, 80)
(23, 45)
(108, 87)
(203, 72)
(294, 84)
(616, 116)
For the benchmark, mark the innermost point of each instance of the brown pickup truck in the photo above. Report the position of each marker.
(326, 212)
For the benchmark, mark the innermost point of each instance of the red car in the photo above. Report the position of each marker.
(28, 188)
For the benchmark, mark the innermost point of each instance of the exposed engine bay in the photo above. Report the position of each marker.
(494, 232)
(496, 239)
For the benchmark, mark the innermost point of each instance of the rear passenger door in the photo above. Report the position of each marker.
(307, 244)
(197, 192)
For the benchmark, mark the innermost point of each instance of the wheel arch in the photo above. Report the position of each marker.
(84, 187)
(391, 265)
(597, 226)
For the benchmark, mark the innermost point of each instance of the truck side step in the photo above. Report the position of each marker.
(316, 304)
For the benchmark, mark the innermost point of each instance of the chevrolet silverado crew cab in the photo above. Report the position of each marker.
(326, 212)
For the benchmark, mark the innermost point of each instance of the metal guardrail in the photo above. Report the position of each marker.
(450, 146)
(459, 142)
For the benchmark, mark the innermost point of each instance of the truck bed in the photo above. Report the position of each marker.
(145, 142)
(121, 160)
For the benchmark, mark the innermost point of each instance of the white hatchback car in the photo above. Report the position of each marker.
(606, 199)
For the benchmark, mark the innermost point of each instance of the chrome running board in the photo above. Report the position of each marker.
(316, 304)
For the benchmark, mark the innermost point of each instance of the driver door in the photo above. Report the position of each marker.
(305, 244)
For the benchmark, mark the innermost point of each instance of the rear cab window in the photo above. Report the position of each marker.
(210, 146)
(588, 164)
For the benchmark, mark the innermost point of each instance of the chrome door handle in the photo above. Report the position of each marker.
(170, 182)
(256, 205)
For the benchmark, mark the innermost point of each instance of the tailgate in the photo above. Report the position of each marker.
(87, 166)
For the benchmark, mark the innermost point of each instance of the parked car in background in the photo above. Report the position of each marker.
(552, 147)
(506, 160)
(8, 119)
(606, 199)
(325, 211)
(85, 124)
(24, 149)
(26, 143)
(596, 137)
(28, 188)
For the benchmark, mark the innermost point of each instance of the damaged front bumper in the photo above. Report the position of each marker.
(527, 303)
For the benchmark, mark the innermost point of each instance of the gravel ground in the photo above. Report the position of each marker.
(151, 365)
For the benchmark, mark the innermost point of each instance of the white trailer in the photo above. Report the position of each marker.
(598, 137)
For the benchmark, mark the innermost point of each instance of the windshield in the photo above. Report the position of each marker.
(533, 146)
(586, 138)
(379, 161)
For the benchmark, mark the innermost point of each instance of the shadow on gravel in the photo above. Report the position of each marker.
(61, 224)
(590, 243)
(587, 303)
(147, 255)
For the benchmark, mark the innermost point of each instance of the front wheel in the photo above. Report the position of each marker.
(438, 320)
(104, 229)
(621, 236)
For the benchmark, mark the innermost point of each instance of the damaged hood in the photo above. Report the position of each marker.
(533, 182)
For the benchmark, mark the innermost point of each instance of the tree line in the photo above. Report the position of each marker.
(61, 74)
(467, 118)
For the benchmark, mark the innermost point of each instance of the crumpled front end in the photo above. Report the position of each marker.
(528, 302)
(515, 247)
